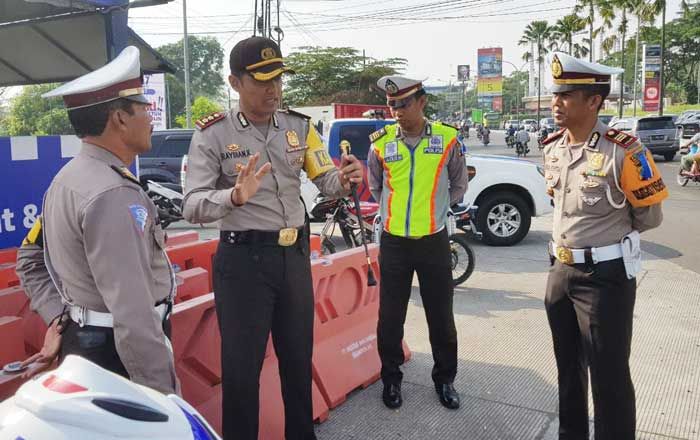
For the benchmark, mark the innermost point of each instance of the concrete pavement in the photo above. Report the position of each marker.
(507, 374)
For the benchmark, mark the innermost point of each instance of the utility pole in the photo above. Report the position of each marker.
(539, 80)
(188, 110)
(636, 73)
(663, 59)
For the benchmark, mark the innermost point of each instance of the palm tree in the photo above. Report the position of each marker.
(538, 32)
(589, 7)
(565, 29)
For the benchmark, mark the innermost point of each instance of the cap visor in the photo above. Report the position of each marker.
(138, 98)
(561, 88)
(267, 76)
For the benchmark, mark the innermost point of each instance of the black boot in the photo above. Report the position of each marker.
(392, 395)
(449, 397)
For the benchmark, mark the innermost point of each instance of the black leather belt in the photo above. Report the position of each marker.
(283, 237)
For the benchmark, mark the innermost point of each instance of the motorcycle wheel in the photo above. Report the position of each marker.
(462, 259)
(680, 178)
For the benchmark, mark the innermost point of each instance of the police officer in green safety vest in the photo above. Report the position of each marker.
(416, 172)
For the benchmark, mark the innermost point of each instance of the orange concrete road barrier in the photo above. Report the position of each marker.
(8, 255)
(345, 328)
(12, 339)
(179, 238)
(196, 343)
(196, 254)
(8, 276)
(315, 243)
(14, 302)
(191, 283)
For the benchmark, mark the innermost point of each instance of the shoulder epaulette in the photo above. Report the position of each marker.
(377, 134)
(125, 173)
(210, 120)
(289, 111)
(553, 137)
(620, 138)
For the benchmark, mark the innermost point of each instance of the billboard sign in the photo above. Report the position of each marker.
(154, 89)
(651, 79)
(490, 83)
(463, 72)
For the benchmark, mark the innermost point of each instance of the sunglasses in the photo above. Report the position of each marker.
(400, 103)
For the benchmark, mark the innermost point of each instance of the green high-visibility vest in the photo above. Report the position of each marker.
(415, 195)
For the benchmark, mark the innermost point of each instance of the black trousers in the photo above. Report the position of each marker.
(258, 289)
(430, 257)
(96, 344)
(590, 310)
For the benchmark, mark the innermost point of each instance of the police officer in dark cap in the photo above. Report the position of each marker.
(243, 172)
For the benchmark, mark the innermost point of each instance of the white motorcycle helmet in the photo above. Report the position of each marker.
(82, 401)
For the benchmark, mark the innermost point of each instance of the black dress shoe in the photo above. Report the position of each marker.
(449, 397)
(392, 395)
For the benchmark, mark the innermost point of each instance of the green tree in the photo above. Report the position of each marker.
(540, 33)
(31, 115)
(206, 58)
(336, 74)
(563, 32)
(514, 88)
(201, 107)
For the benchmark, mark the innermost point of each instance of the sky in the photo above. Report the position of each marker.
(434, 36)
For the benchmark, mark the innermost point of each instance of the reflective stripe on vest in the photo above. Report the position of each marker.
(415, 196)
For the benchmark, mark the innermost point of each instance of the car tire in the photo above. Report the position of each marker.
(668, 157)
(503, 218)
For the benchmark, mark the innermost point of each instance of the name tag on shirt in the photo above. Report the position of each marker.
(435, 146)
(391, 152)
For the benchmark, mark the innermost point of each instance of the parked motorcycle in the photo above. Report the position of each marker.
(168, 203)
(341, 212)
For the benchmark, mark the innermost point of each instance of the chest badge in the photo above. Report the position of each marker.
(434, 146)
(595, 161)
(292, 139)
(233, 147)
(553, 159)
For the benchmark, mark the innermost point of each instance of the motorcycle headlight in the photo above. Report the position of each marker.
(540, 169)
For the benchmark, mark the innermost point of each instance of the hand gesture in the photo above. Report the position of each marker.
(350, 170)
(48, 353)
(248, 181)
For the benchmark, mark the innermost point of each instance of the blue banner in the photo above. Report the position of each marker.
(27, 166)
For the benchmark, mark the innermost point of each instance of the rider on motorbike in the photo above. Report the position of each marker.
(522, 137)
(691, 161)
(510, 136)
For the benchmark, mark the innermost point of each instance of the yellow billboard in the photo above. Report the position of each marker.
(490, 86)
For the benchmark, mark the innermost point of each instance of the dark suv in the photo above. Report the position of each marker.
(163, 163)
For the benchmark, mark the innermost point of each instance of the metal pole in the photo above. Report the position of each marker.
(697, 98)
(636, 66)
(539, 82)
(255, 19)
(621, 106)
(663, 49)
(188, 110)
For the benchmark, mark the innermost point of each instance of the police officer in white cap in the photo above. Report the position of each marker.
(416, 172)
(606, 190)
(112, 285)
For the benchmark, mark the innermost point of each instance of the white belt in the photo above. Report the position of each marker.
(577, 256)
(83, 316)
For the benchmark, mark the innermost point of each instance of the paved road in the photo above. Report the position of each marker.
(674, 239)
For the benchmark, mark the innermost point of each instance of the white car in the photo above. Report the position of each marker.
(508, 192)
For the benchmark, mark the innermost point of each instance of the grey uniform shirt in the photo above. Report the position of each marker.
(218, 151)
(103, 244)
(36, 281)
(582, 181)
(456, 169)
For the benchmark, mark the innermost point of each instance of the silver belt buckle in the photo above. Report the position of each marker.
(287, 236)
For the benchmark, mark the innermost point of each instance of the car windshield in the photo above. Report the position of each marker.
(656, 124)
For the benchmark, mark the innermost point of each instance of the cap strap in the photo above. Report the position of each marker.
(264, 63)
